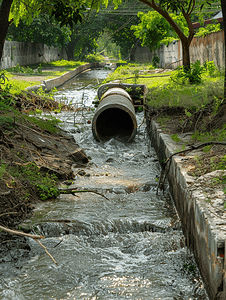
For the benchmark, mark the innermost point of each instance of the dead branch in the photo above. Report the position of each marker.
(46, 251)
(73, 191)
(169, 65)
(191, 148)
(9, 213)
(33, 236)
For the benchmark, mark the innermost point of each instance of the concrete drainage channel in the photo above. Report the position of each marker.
(204, 231)
(57, 82)
(128, 246)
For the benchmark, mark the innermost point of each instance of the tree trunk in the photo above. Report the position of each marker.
(133, 49)
(223, 6)
(70, 49)
(186, 55)
(4, 23)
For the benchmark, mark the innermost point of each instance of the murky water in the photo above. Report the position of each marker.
(122, 247)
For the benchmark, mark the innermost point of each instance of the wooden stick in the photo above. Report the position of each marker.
(9, 213)
(33, 236)
(46, 251)
(73, 191)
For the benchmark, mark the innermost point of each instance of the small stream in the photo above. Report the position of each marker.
(128, 246)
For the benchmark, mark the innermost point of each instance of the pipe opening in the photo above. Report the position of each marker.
(114, 122)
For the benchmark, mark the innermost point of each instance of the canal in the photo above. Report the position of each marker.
(128, 245)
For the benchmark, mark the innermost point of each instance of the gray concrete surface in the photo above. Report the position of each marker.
(56, 82)
(208, 48)
(28, 53)
(203, 225)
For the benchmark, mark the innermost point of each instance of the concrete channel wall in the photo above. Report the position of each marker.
(211, 47)
(27, 53)
(49, 84)
(204, 230)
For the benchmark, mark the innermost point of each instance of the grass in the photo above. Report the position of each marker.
(46, 184)
(48, 70)
(15, 86)
(165, 92)
(175, 90)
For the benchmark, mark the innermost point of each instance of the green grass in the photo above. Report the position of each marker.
(165, 92)
(46, 184)
(50, 70)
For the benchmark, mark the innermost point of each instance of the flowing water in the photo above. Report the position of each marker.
(128, 245)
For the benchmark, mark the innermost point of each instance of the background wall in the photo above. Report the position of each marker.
(27, 53)
(210, 47)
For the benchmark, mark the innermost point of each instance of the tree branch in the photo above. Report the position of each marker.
(21, 233)
(165, 15)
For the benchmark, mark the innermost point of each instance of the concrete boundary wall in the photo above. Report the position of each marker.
(205, 232)
(211, 47)
(27, 53)
(49, 84)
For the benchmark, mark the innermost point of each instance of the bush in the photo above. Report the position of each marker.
(203, 31)
(94, 58)
(190, 76)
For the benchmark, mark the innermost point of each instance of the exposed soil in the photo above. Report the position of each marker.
(23, 143)
(174, 120)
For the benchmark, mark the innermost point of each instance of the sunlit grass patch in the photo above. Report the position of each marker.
(164, 91)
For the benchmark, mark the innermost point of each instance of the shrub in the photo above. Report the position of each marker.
(94, 58)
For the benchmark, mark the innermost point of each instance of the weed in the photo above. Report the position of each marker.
(187, 113)
(49, 125)
(4, 120)
(136, 75)
(47, 188)
(45, 183)
(3, 77)
(20, 69)
(128, 89)
(155, 60)
(94, 58)
(206, 149)
(2, 169)
(138, 89)
(41, 92)
(217, 103)
(190, 268)
(163, 120)
(175, 138)
(190, 76)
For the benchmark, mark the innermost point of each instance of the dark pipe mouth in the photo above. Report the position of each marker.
(114, 123)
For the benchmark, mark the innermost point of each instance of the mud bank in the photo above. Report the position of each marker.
(204, 226)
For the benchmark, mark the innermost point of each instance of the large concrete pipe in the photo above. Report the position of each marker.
(115, 117)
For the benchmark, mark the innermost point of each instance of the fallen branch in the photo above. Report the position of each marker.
(33, 236)
(73, 191)
(169, 65)
(9, 213)
(46, 251)
(191, 148)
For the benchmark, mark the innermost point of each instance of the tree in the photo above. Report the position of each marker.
(119, 29)
(66, 12)
(154, 30)
(186, 7)
(223, 5)
(41, 30)
(4, 22)
(83, 36)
